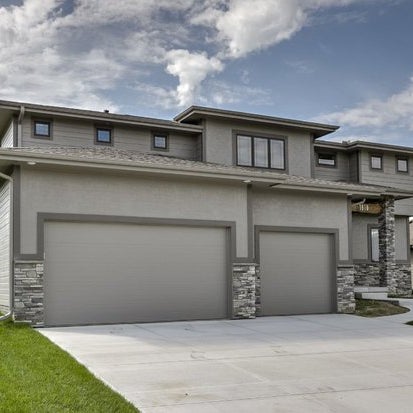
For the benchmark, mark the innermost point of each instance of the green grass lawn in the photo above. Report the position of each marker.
(375, 308)
(36, 376)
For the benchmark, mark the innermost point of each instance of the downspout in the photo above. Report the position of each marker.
(19, 125)
(11, 273)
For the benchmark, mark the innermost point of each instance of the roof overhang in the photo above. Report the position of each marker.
(8, 109)
(195, 113)
(352, 146)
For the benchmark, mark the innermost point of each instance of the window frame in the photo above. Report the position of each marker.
(268, 138)
(163, 135)
(376, 155)
(402, 158)
(333, 154)
(104, 128)
(36, 121)
(370, 228)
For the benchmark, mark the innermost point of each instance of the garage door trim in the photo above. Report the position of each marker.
(334, 232)
(230, 253)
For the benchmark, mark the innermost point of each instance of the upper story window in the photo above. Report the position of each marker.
(376, 162)
(326, 159)
(42, 129)
(103, 136)
(402, 164)
(260, 152)
(160, 141)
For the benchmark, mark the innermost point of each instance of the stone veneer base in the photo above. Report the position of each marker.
(28, 292)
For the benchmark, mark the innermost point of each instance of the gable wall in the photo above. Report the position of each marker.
(220, 145)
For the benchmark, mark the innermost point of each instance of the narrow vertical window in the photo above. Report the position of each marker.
(244, 150)
(261, 152)
(277, 154)
(374, 244)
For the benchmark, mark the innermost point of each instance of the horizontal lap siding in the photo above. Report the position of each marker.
(340, 173)
(4, 246)
(82, 134)
(7, 140)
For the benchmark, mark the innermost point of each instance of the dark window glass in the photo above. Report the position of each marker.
(326, 159)
(42, 129)
(160, 142)
(375, 162)
(103, 135)
(402, 165)
(374, 244)
(244, 150)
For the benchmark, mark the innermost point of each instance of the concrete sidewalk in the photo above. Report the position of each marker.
(314, 363)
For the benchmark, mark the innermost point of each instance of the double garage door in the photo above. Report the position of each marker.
(112, 273)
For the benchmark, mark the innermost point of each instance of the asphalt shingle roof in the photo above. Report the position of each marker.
(141, 159)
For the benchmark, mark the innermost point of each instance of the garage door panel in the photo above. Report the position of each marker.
(130, 273)
(297, 273)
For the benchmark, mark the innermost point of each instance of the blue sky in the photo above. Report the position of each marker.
(346, 62)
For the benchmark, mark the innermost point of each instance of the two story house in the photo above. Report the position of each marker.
(108, 218)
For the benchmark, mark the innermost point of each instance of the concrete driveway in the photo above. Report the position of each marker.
(314, 363)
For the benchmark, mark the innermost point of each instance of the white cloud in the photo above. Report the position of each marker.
(191, 69)
(51, 54)
(246, 26)
(395, 111)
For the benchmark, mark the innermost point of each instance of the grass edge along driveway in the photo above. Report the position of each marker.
(38, 376)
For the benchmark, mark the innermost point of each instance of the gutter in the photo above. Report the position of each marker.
(11, 274)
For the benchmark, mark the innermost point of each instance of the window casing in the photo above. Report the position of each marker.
(402, 164)
(103, 136)
(327, 160)
(160, 141)
(376, 162)
(374, 244)
(42, 129)
(260, 151)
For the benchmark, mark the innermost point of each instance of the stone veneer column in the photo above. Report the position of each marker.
(28, 292)
(387, 247)
(244, 290)
(345, 289)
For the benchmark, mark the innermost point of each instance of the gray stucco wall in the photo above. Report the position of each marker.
(4, 246)
(360, 241)
(7, 139)
(295, 209)
(338, 173)
(388, 177)
(127, 195)
(67, 132)
(219, 143)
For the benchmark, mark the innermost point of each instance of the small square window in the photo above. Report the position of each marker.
(376, 162)
(402, 165)
(42, 129)
(104, 135)
(326, 159)
(160, 141)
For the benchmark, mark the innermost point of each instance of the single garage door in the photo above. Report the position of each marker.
(114, 273)
(297, 273)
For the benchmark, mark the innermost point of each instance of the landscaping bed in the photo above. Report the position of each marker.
(377, 308)
(37, 376)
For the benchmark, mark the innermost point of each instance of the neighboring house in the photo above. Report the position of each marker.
(217, 214)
